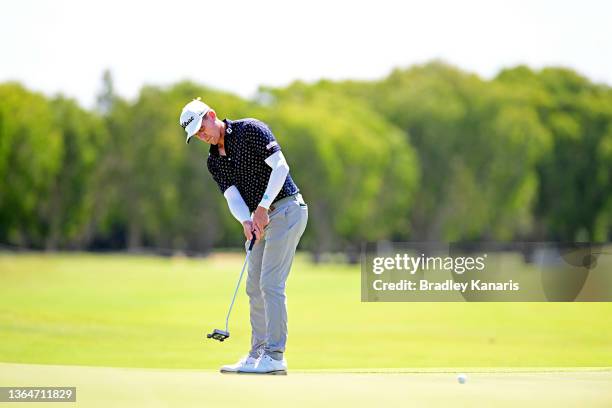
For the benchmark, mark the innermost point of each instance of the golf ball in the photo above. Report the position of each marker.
(462, 378)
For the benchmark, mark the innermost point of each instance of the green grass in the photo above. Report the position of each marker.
(134, 311)
(134, 387)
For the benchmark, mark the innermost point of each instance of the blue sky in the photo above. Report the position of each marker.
(63, 46)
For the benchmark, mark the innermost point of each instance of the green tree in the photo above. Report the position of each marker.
(477, 149)
(71, 199)
(575, 176)
(30, 158)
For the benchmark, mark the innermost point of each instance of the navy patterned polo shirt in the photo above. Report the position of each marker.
(248, 143)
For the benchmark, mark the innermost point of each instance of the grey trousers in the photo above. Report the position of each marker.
(269, 265)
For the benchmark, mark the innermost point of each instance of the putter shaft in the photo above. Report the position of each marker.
(246, 260)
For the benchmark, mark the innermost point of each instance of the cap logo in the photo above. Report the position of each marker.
(185, 124)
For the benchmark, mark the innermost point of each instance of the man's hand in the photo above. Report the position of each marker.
(260, 218)
(250, 228)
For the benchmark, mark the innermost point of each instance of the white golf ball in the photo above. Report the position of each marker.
(462, 378)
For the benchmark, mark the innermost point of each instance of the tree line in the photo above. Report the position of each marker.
(427, 153)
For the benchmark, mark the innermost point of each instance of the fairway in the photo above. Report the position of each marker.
(117, 387)
(130, 331)
(150, 312)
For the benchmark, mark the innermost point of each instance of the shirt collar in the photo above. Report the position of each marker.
(228, 132)
(228, 126)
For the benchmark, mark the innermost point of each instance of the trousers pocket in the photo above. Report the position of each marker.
(295, 214)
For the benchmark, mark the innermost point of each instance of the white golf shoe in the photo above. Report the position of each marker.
(266, 365)
(245, 362)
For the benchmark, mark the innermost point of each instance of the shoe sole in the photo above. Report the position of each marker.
(278, 372)
(228, 372)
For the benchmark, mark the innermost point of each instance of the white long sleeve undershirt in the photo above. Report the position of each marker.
(280, 169)
(236, 203)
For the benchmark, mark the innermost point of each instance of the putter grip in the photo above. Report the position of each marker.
(252, 242)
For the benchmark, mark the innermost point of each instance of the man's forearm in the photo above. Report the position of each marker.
(236, 204)
(280, 169)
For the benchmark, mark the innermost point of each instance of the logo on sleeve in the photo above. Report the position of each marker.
(271, 145)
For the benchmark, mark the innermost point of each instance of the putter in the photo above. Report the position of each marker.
(221, 335)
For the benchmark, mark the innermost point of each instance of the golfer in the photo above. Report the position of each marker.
(247, 163)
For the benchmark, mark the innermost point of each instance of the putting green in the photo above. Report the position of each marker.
(138, 311)
(128, 387)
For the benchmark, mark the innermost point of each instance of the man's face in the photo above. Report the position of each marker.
(209, 131)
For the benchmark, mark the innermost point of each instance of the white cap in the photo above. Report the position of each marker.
(191, 117)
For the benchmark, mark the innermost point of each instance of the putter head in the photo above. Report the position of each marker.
(218, 335)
